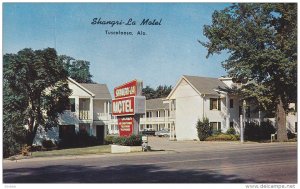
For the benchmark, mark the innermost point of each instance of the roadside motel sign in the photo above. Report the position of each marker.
(128, 106)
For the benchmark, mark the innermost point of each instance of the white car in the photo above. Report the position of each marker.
(161, 133)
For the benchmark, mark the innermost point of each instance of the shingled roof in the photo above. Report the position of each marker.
(156, 104)
(206, 85)
(100, 90)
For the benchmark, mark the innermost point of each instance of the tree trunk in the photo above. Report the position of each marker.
(281, 122)
(30, 138)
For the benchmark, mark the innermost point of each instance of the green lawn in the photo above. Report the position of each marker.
(74, 151)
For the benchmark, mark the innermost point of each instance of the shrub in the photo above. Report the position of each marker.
(25, 150)
(109, 139)
(204, 129)
(222, 137)
(14, 136)
(291, 135)
(36, 148)
(133, 140)
(48, 144)
(255, 132)
(251, 131)
(231, 131)
(78, 140)
(266, 129)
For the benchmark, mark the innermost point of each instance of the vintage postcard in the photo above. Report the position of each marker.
(198, 92)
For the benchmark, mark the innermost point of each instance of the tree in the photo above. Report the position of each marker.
(148, 92)
(261, 40)
(13, 125)
(79, 70)
(160, 92)
(36, 90)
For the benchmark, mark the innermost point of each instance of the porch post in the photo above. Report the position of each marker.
(227, 111)
(91, 109)
(108, 107)
(77, 109)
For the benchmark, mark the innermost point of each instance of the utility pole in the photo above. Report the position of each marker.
(243, 123)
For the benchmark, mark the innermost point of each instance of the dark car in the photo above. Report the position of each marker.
(148, 132)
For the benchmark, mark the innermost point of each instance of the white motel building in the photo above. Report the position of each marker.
(191, 99)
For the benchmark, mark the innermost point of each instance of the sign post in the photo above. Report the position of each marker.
(128, 106)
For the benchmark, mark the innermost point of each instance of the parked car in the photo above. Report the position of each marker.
(148, 132)
(161, 133)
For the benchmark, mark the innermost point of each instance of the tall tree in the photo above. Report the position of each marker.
(160, 92)
(36, 89)
(148, 92)
(261, 40)
(79, 70)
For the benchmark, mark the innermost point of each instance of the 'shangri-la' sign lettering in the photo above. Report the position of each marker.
(132, 88)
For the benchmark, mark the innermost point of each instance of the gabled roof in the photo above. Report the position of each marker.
(156, 104)
(202, 85)
(80, 86)
(206, 85)
(100, 90)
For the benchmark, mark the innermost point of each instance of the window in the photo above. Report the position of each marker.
(71, 105)
(148, 114)
(215, 104)
(231, 124)
(231, 103)
(216, 126)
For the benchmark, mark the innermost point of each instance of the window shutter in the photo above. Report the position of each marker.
(211, 104)
(219, 104)
(219, 126)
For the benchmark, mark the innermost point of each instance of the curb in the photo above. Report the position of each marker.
(74, 157)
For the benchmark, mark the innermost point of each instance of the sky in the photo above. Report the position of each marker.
(160, 57)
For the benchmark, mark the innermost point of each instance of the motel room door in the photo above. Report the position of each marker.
(100, 133)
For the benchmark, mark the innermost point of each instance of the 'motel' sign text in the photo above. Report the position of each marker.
(123, 106)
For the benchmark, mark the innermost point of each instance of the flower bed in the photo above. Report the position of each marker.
(133, 140)
(222, 137)
(126, 144)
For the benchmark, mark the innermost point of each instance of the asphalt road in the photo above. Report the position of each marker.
(181, 162)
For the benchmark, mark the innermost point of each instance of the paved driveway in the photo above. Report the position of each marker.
(163, 143)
